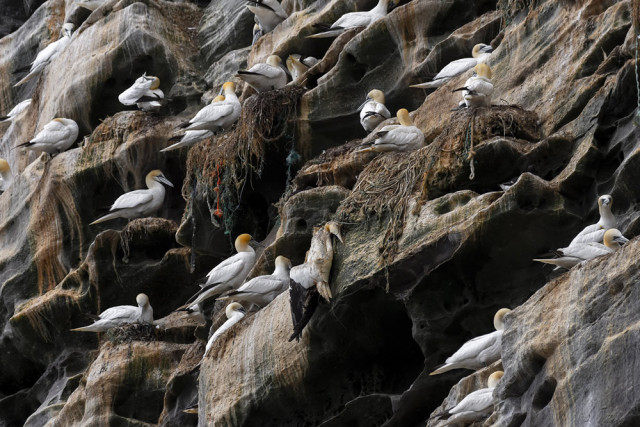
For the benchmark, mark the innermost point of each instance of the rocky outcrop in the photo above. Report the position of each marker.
(433, 245)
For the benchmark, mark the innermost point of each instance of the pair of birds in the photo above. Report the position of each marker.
(595, 240)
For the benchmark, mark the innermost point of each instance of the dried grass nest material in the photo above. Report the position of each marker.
(385, 187)
(220, 166)
(132, 332)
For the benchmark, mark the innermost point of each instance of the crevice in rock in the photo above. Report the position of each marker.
(544, 394)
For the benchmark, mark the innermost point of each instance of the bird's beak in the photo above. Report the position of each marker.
(335, 230)
(164, 180)
(605, 202)
(486, 49)
(621, 239)
(364, 103)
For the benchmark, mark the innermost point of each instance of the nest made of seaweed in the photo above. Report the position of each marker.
(386, 185)
(132, 332)
(220, 166)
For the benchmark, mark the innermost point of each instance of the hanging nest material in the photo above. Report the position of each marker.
(388, 183)
(219, 168)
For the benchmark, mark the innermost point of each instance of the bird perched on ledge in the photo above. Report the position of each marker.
(19, 108)
(372, 111)
(352, 20)
(121, 314)
(477, 90)
(234, 312)
(475, 406)
(6, 178)
(595, 232)
(269, 14)
(145, 93)
(190, 137)
(402, 137)
(264, 77)
(56, 136)
(139, 203)
(480, 54)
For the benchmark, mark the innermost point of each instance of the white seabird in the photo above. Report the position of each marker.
(145, 93)
(19, 108)
(90, 4)
(139, 203)
(572, 255)
(6, 178)
(190, 137)
(476, 405)
(56, 136)
(268, 12)
(218, 115)
(480, 54)
(262, 290)
(226, 276)
(352, 20)
(257, 33)
(478, 352)
(235, 312)
(372, 111)
(477, 90)
(121, 314)
(264, 77)
(402, 137)
(46, 55)
(311, 279)
(595, 232)
(297, 66)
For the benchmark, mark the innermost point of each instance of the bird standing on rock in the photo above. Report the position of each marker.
(269, 14)
(19, 108)
(56, 136)
(6, 178)
(139, 203)
(480, 54)
(234, 312)
(145, 93)
(226, 276)
(402, 137)
(595, 232)
(352, 20)
(190, 137)
(262, 290)
(264, 77)
(480, 351)
(121, 314)
(298, 66)
(477, 90)
(372, 111)
(476, 405)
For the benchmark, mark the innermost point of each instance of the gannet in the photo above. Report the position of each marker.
(595, 232)
(311, 279)
(190, 137)
(477, 90)
(6, 178)
(139, 203)
(480, 54)
(351, 20)
(19, 108)
(56, 136)
(218, 115)
(121, 314)
(575, 254)
(226, 276)
(264, 77)
(478, 352)
(297, 66)
(268, 12)
(234, 312)
(262, 290)
(257, 33)
(476, 405)
(47, 54)
(145, 93)
(402, 137)
(372, 111)
(90, 4)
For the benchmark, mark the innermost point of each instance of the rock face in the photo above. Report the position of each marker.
(433, 245)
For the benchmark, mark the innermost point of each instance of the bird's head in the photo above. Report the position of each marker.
(157, 175)
(142, 300)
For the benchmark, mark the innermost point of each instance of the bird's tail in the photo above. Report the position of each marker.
(26, 78)
(442, 368)
(107, 217)
(24, 144)
(430, 85)
(551, 261)
(84, 329)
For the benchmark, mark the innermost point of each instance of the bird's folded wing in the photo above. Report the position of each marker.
(132, 199)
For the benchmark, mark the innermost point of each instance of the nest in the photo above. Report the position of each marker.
(132, 332)
(386, 186)
(220, 167)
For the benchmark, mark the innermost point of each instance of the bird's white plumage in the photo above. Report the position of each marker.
(476, 405)
(403, 137)
(144, 92)
(6, 177)
(480, 54)
(373, 111)
(297, 66)
(46, 55)
(235, 312)
(262, 290)
(218, 115)
(478, 89)
(139, 203)
(355, 19)
(263, 77)
(595, 233)
(189, 138)
(121, 314)
(269, 13)
(19, 108)
(56, 136)
(478, 352)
